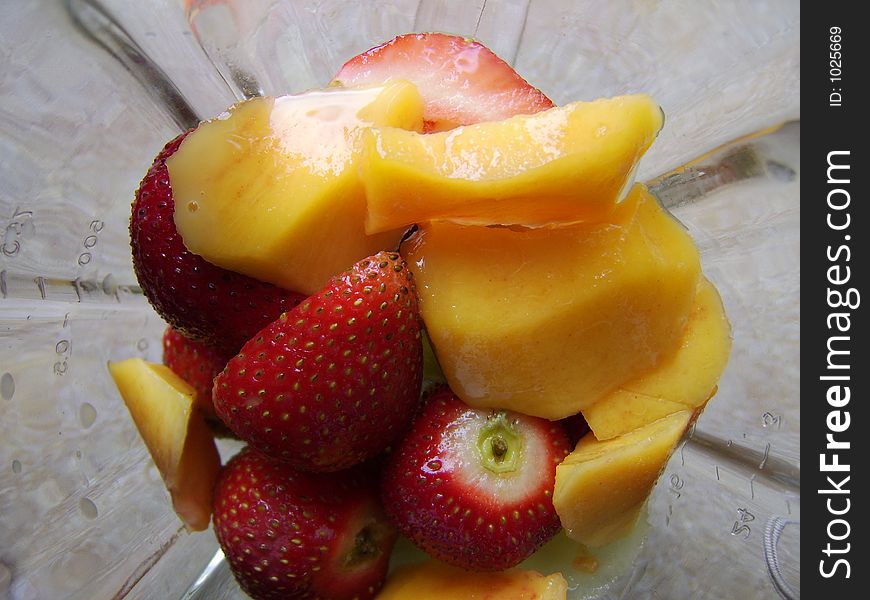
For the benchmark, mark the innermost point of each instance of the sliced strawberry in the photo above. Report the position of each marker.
(461, 81)
(335, 380)
(473, 487)
(200, 300)
(195, 362)
(288, 534)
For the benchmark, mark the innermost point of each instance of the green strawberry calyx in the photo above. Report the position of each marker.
(500, 444)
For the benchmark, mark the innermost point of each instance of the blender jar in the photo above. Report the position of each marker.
(91, 90)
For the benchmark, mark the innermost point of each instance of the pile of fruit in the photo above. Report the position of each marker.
(430, 221)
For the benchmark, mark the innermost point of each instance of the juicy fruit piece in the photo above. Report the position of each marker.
(473, 487)
(547, 321)
(433, 580)
(336, 379)
(601, 486)
(685, 379)
(290, 535)
(198, 299)
(196, 363)
(564, 165)
(460, 80)
(175, 432)
(271, 189)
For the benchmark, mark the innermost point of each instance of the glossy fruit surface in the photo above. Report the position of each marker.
(547, 321)
(174, 430)
(200, 300)
(293, 535)
(337, 379)
(568, 164)
(271, 188)
(461, 81)
(473, 488)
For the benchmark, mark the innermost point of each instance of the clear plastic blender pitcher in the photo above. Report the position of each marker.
(90, 91)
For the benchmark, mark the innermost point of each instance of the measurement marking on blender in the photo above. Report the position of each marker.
(770, 419)
(717, 473)
(752, 487)
(676, 484)
(64, 351)
(764, 458)
(40, 283)
(20, 223)
(95, 227)
(741, 525)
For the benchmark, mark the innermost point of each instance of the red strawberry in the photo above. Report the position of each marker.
(576, 427)
(195, 362)
(335, 380)
(474, 487)
(461, 81)
(197, 298)
(288, 534)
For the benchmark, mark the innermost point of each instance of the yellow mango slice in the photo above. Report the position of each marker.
(563, 165)
(433, 580)
(271, 188)
(601, 486)
(548, 321)
(687, 378)
(174, 430)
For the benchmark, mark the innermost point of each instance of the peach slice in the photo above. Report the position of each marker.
(685, 379)
(271, 190)
(563, 165)
(174, 430)
(433, 580)
(602, 486)
(548, 321)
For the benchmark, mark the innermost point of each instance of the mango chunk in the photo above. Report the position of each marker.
(685, 379)
(563, 165)
(433, 580)
(601, 486)
(271, 188)
(548, 321)
(176, 434)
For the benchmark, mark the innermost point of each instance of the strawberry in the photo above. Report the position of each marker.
(474, 487)
(576, 427)
(195, 362)
(335, 380)
(197, 298)
(288, 534)
(461, 81)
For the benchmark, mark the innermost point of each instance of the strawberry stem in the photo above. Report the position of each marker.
(365, 547)
(499, 444)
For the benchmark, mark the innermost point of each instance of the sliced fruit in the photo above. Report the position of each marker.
(567, 164)
(686, 378)
(202, 301)
(461, 81)
(335, 380)
(434, 580)
(473, 487)
(175, 432)
(602, 485)
(196, 363)
(547, 321)
(288, 534)
(271, 189)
